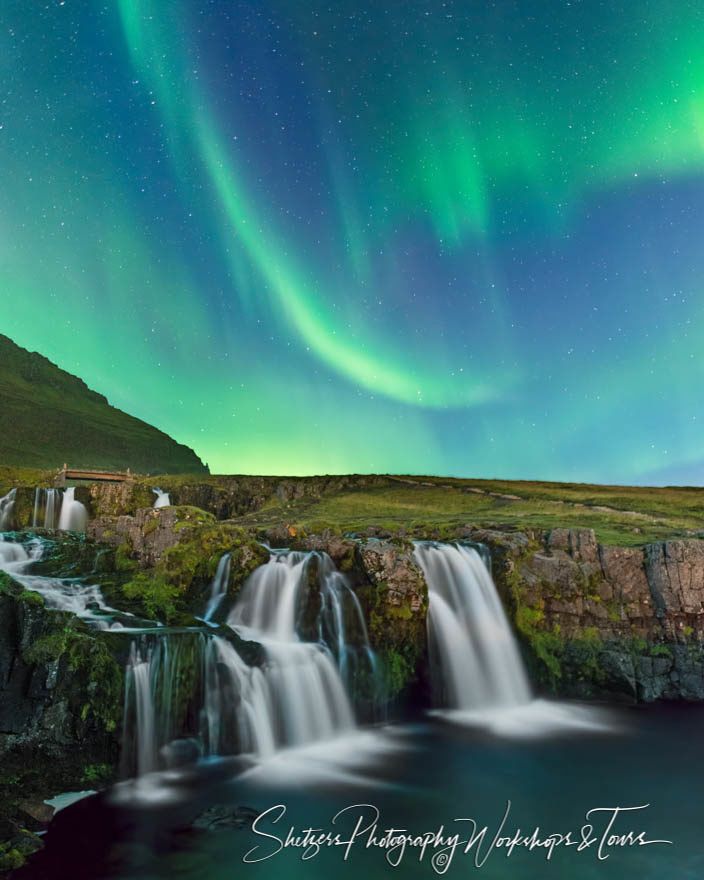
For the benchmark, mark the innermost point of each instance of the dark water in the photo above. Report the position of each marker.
(419, 778)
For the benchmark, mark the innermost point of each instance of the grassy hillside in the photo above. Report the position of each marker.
(48, 417)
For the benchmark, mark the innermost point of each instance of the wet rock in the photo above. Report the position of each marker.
(222, 817)
(388, 565)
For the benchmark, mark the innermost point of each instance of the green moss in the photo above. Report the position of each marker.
(400, 612)
(156, 596)
(31, 598)
(660, 651)
(123, 556)
(688, 631)
(97, 775)
(585, 653)
(10, 859)
(613, 610)
(48, 648)
(151, 526)
(96, 674)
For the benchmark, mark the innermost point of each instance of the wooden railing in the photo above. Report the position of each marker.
(67, 473)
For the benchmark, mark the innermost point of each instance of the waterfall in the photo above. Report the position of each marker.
(341, 625)
(477, 661)
(48, 510)
(138, 697)
(304, 698)
(238, 714)
(7, 506)
(84, 600)
(162, 498)
(52, 508)
(163, 694)
(73, 513)
(218, 588)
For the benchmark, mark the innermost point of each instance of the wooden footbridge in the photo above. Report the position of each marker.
(91, 476)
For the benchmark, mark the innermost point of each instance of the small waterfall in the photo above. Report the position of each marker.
(52, 508)
(219, 586)
(238, 715)
(342, 627)
(73, 514)
(13, 557)
(84, 600)
(305, 698)
(7, 506)
(162, 498)
(163, 695)
(48, 509)
(139, 701)
(476, 657)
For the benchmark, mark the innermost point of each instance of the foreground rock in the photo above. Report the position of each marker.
(60, 707)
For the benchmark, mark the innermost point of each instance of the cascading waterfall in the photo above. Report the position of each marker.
(478, 665)
(341, 626)
(163, 499)
(7, 506)
(73, 514)
(307, 700)
(84, 600)
(219, 587)
(163, 695)
(238, 712)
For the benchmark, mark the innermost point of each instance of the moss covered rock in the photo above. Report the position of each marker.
(60, 700)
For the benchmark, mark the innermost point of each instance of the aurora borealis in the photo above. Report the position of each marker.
(454, 238)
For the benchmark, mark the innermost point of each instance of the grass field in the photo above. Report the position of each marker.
(622, 515)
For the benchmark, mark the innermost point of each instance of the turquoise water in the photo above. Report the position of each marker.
(418, 777)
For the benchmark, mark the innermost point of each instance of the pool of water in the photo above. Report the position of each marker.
(418, 780)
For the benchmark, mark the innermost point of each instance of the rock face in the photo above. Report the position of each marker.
(225, 497)
(148, 534)
(60, 705)
(167, 557)
(606, 621)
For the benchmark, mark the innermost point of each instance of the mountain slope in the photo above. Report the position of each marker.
(48, 417)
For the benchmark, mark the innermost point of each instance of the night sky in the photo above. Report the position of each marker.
(416, 237)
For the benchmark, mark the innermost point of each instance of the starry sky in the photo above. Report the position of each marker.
(412, 237)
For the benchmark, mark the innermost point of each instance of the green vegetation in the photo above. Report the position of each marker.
(435, 507)
(177, 583)
(48, 417)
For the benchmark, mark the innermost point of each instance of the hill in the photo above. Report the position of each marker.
(48, 417)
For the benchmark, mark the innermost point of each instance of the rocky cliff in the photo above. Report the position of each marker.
(60, 707)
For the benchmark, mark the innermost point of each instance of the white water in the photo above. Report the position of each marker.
(468, 633)
(84, 600)
(304, 695)
(238, 709)
(7, 506)
(138, 692)
(479, 674)
(218, 588)
(163, 499)
(47, 502)
(73, 513)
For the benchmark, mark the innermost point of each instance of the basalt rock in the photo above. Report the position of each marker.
(60, 704)
(600, 621)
